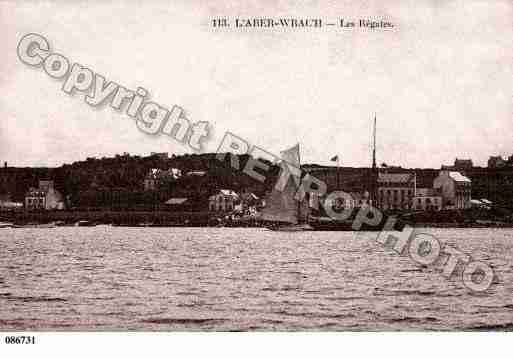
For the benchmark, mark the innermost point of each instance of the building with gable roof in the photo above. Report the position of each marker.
(455, 189)
(44, 197)
(223, 201)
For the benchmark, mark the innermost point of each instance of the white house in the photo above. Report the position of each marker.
(224, 200)
(44, 197)
(454, 188)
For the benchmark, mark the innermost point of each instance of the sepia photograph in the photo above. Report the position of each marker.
(255, 166)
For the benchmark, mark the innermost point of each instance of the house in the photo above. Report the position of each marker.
(454, 188)
(224, 200)
(44, 197)
(157, 177)
(396, 190)
(496, 162)
(427, 199)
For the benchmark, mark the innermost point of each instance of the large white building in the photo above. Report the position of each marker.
(396, 190)
(223, 201)
(455, 189)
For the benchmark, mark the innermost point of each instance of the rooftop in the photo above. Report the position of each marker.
(176, 201)
(458, 177)
(395, 177)
(228, 192)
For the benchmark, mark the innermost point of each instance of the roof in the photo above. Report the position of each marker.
(395, 177)
(176, 200)
(228, 192)
(458, 177)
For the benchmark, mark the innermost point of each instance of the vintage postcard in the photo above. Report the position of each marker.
(255, 166)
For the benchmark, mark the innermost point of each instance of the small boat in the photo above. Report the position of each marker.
(85, 223)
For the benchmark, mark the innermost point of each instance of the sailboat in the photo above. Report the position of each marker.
(283, 212)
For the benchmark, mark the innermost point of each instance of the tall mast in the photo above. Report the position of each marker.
(374, 176)
(299, 202)
(374, 145)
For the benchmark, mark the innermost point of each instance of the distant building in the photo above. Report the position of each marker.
(454, 188)
(160, 155)
(463, 164)
(224, 200)
(496, 162)
(459, 165)
(427, 199)
(157, 177)
(396, 190)
(44, 197)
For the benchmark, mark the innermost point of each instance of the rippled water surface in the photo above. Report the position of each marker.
(111, 278)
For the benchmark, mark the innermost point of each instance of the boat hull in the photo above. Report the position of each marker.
(289, 227)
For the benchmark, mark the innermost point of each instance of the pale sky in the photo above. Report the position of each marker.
(440, 82)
